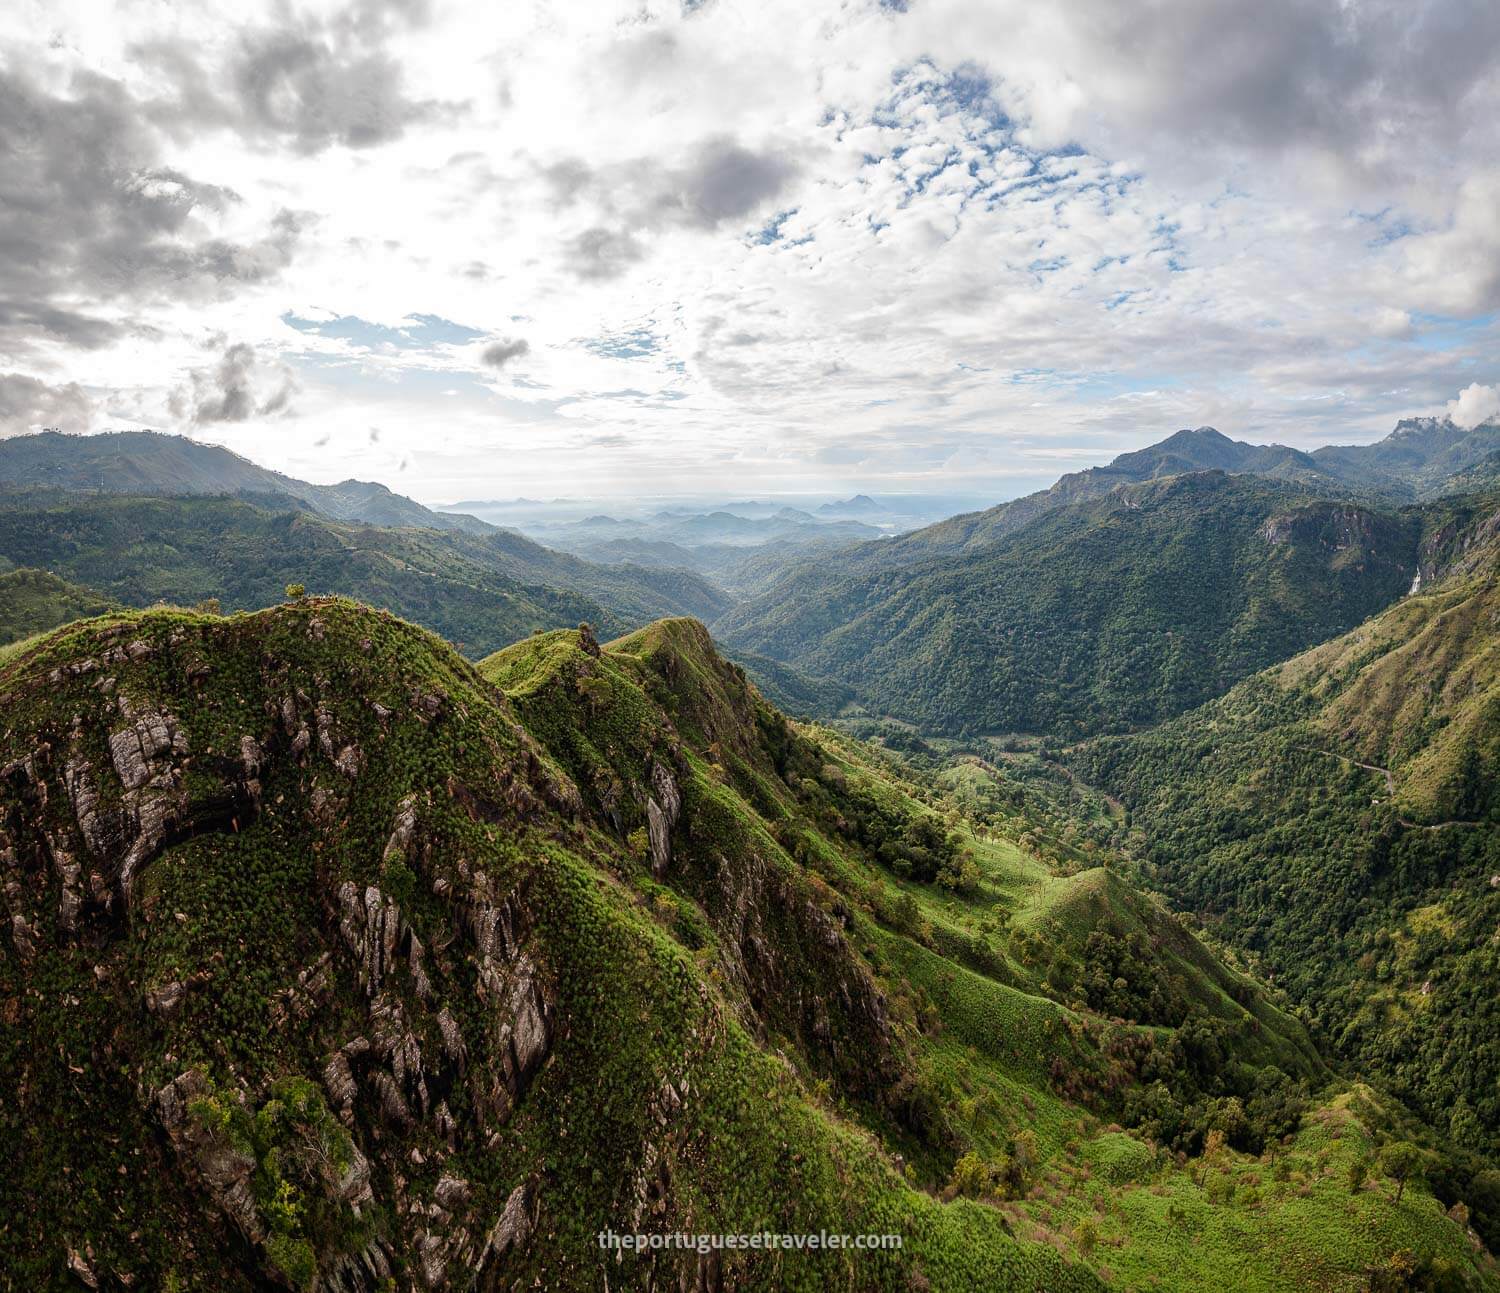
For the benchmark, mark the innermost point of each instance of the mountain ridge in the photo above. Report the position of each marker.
(482, 590)
(334, 960)
(154, 462)
(1120, 609)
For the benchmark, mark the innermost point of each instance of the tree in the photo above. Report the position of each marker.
(1359, 1171)
(1021, 1162)
(1402, 1162)
(1086, 1235)
(296, 592)
(1213, 1146)
(972, 1177)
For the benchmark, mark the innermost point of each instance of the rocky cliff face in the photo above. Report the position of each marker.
(319, 964)
(660, 711)
(170, 749)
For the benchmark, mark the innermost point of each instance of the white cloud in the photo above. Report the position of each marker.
(1475, 404)
(28, 405)
(809, 245)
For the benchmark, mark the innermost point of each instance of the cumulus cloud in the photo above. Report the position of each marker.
(240, 387)
(1367, 91)
(499, 353)
(600, 253)
(92, 222)
(1475, 404)
(871, 241)
(1456, 268)
(27, 404)
(298, 85)
(313, 84)
(721, 182)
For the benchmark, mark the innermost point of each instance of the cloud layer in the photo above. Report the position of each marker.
(623, 246)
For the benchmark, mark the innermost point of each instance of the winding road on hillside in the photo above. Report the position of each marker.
(1390, 785)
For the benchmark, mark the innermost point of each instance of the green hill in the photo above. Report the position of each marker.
(1337, 817)
(32, 601)
(336, 962)
(1102, 615)
(478, 590)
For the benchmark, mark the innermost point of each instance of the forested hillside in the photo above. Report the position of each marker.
(1337, 816)
(1103, 615)
(481, 591)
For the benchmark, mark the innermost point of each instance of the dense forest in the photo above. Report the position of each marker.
(1337, 818)
(1105, 615)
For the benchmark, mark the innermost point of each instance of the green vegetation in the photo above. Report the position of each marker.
(792, 691)
(32, 601)
(1335, 818)
(1104, 615)
(478, 590)
(454, 967)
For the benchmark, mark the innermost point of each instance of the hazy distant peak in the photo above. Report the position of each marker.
(153, 462)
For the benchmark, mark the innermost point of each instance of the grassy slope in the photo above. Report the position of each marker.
(994, 1032)
(741, 1147)
(691, 1080)
(1417, 691)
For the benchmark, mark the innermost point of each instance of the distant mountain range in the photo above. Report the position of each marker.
(733, 543)
(149, 462)
(1422, 458)
(1111, 599)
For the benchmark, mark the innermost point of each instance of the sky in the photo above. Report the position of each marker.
(482, 251)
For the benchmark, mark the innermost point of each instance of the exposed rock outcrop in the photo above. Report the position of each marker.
(207, 1154)
(663, 808)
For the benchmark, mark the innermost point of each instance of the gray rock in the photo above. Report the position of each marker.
(452, 1192)
(165, 999)
(207, 1155)
(663, 809)
(338, 1080)
(513, 1228)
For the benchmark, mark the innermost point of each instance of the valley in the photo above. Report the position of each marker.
(1118, 916)
(679, 646)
